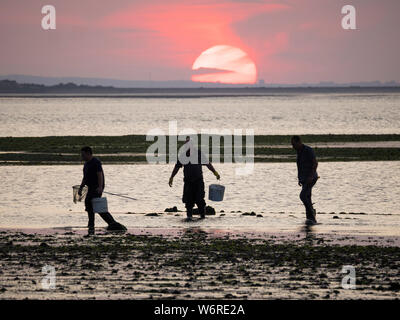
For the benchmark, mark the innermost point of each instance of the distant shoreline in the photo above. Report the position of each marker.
(10, 89)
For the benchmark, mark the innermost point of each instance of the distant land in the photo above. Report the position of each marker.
(52, 81)
(14, 88)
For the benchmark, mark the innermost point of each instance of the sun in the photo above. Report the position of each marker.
(224, 64)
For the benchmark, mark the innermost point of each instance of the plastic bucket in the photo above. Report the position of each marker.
(216, 192)
(100, 205)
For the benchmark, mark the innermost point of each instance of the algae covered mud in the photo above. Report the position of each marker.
(194, 265)
(133, 148)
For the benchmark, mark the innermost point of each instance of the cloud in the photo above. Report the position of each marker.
(289, 41)
(189, 28)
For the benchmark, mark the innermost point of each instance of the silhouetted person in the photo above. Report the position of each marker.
(93, 177)
(193, 189)
(307, 174)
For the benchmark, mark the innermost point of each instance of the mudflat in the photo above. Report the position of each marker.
(192, 263)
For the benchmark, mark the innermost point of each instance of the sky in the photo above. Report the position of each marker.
(292, 41)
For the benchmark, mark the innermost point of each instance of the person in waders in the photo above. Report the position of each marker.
(193, 189)
(307, 175)
(93, 177)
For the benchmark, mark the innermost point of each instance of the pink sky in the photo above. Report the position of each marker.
(290, 41)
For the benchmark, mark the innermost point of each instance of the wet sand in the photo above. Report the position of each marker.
(196, 263)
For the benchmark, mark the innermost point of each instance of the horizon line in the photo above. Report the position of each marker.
(80, 81)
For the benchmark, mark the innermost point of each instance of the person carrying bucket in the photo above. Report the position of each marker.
(192, 161)
(93, 178)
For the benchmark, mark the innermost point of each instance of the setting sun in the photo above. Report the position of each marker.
(224, 64)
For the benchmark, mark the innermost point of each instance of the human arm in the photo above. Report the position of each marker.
(83, 183)
(173, 174)
(313, 170)
(212, 169)
(100, 181)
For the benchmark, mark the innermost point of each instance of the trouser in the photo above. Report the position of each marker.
(106, 216)
(193, 193)
(305, 197)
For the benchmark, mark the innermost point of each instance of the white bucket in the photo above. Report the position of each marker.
(216, 192)
(100, 205)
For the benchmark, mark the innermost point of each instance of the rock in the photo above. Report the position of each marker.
(173, 209)
(336, 217)
(394, 286)
(253, 214)
(210, 211)
(153, 214)
(259, 215)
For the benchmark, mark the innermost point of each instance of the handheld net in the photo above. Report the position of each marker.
(76, 197)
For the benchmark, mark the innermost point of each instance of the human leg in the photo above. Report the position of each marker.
(305, 196)
(188, 198)
(89, 209)
(199, 196)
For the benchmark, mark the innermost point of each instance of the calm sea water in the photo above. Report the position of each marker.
(280, 114)
(42, 197)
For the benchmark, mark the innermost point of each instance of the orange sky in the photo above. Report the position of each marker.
(291, 41)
